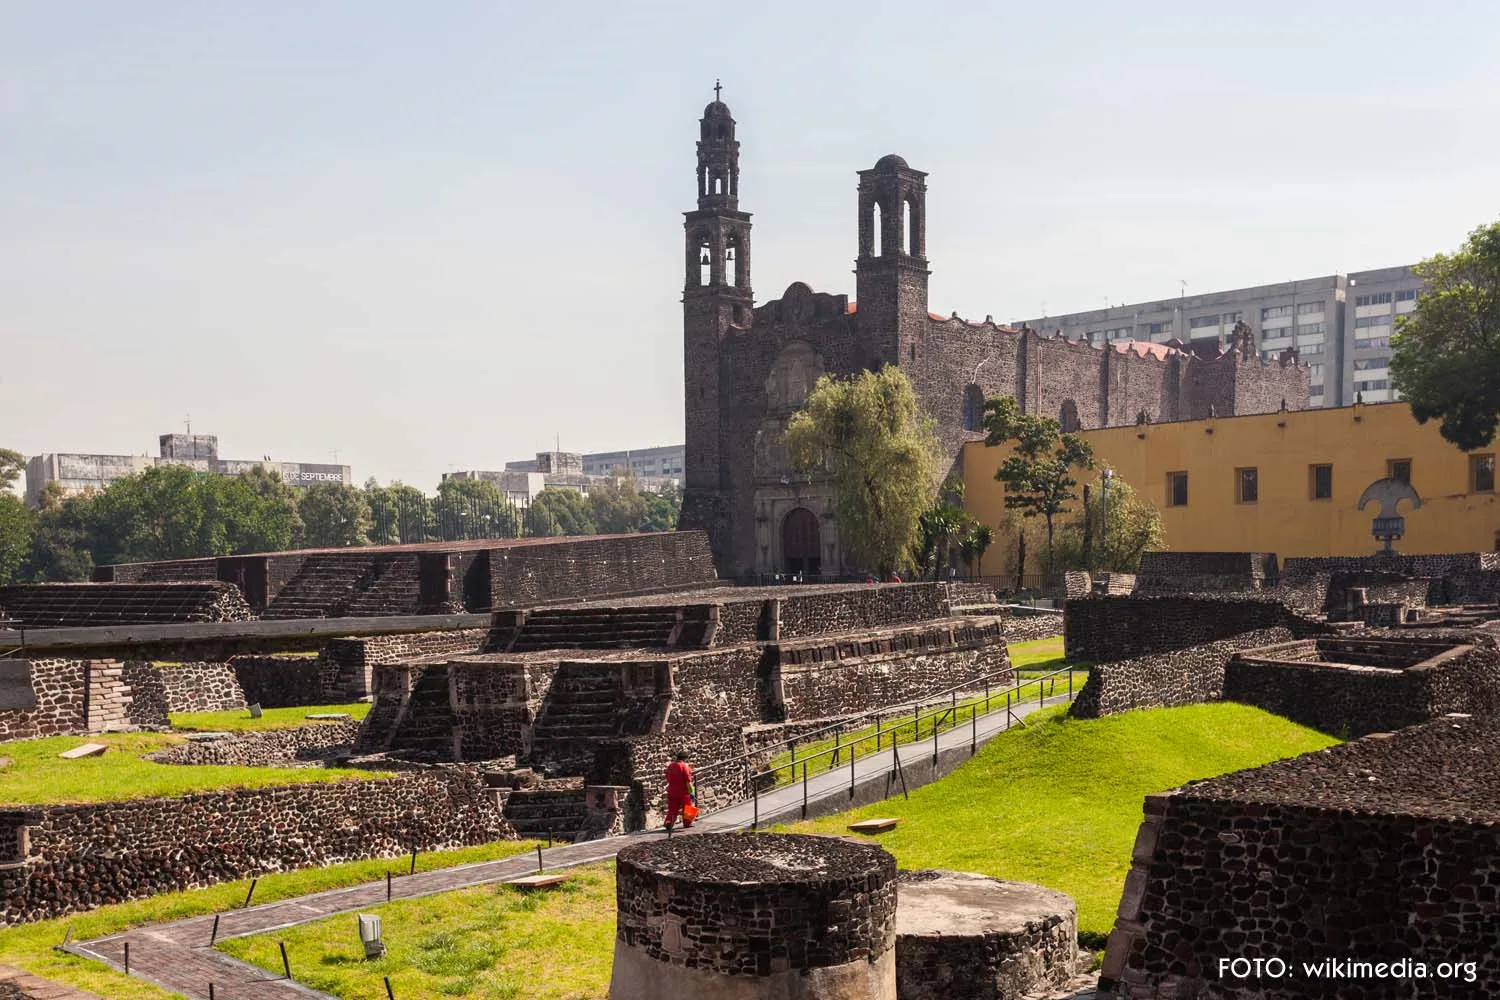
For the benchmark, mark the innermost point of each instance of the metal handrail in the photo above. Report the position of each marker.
(951, 710)
(845, 723)
(936, 714)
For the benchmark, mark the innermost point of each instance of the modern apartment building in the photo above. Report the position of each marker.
(1340, 324)
(660, 463)
(79, 472)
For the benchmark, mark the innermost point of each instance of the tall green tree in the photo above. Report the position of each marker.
(1112, 531)
(663, 507)
(1038, 476)
(943, 529)
(62, 546)
(557, 511)
(869, 434)
(400, 514)
(17, 535)
(474, 508)
(976, 545)
(156, 514)
(1446, 353)
(334, 515)
(12, 464)
(618, 505)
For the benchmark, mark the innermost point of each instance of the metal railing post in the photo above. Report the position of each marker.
(755, 795)
(974, 728)
(804, 789)
(934, 741)
(877, 732)
(851, 772)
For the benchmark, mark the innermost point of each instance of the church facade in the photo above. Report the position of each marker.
(749, 368)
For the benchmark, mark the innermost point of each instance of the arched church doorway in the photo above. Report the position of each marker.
(800, 543)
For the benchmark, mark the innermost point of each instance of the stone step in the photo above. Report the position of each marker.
(572, 731)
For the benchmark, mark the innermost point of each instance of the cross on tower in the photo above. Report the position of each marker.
(717, 88)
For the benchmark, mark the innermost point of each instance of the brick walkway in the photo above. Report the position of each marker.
(26, 985)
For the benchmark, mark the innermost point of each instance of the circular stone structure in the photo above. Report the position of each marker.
(970, 937)
(755, 916)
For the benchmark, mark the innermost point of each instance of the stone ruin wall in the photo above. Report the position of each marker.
(1205, 572)
(77, 857)
(1106, 629)
(1028, 627)
(1273, 872)
(802, 615)
(1189, 676)
(587, 567)
(78, 697)
(347, 663)
(312, 745)
(1351, 703)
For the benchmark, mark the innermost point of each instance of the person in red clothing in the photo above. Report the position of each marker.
(679, 789)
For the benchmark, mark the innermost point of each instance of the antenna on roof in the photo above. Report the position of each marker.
(189, 421)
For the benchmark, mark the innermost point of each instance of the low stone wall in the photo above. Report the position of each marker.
(1353, 701)
(1028, 626)
(1179, 677)
(279, 681)
(1379, 850)
(76, 697)
(859, 608)
(84, 605)
(310, 745)
(863, 683)
(541, 572)
(1205, 572)
(44, 698)
(1104, 629)
(81, 856)
(1465, 577)
(347, 663)
(201, 687)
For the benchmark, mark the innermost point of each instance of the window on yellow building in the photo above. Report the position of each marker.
(1177, 489)
(1320, 481)
(1398, 469)
(1246, 485)
(1481, 473)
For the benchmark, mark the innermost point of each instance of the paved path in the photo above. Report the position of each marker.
(177, 956)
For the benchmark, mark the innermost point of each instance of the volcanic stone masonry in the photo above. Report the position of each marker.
(312, 745)
(968, 937)
(56, 697)
(755, 917)
(67, 858)
(1104, 629)
(1379, 850)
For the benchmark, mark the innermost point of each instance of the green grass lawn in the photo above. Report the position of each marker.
(1043, 654)
(239, 721)
(488, 943)
(36, 775)
(1058, 803)
(30, 946)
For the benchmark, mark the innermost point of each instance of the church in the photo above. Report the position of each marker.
(748, 368)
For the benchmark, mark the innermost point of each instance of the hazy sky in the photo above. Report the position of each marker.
(439, 235)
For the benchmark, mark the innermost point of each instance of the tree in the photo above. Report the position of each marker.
(61, 546)
(334, 515)
(252, 512)
(474, 508)
(869, 434)
(1038, 476)
(559, 512)
(663, 507)
(976, 545)
(400, 514)
(153, 515)
(1446, 353)
(1115, 528)
(943, 529)
(618, 505)
(12, 464)
(17, 535)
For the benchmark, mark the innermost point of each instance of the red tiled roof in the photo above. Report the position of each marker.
(1144, 348)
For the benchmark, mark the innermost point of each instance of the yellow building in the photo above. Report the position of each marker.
(1286, 483)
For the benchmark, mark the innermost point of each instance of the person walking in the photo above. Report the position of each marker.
(680, 791)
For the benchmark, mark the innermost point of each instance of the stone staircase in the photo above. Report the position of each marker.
(600, 628)
(324, 587)
(396, 589)
(586, 704)
(555, 812)
(428, 724)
